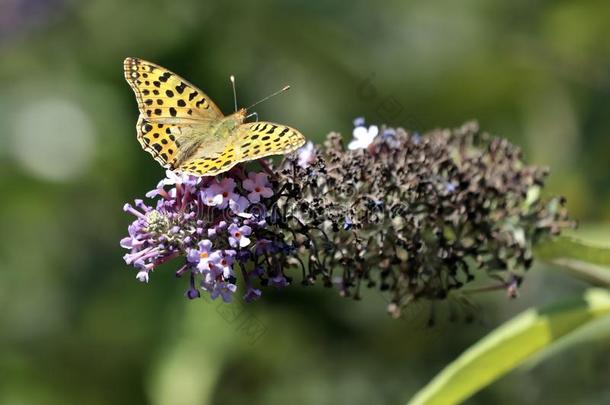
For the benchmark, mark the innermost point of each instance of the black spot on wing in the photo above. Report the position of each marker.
(180, 88)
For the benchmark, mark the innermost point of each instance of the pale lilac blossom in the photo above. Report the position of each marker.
(238, 235)
(239, 207)
(307, 155)
(203, 256)
(363, 137)
(219, 194)
(258, 185)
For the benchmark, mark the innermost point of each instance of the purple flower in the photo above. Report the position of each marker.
(225, 263)
(389, 133)
(211, 197)
(183, 180)
(307, 155)
(180, 223)
(177, 178)
(203, 256)
(389, 137)
(219, 194)
(151, 239)
(252, 294)
(239, 207)
(278, 281)
(347, 223)
(142, 276)
(219, 280)
(258, 185)
(359, 122)
(192, 293)
(223, 289)
(238, 235)
(216, 229)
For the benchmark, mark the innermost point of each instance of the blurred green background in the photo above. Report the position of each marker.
(75, 325)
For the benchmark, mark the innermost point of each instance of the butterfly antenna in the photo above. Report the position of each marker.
(234, 92)
(283, 89)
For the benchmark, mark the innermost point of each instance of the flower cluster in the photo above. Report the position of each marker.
(208, 222)
(414, 216)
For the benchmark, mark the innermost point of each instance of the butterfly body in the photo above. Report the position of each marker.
(226, 127)
(184, 130)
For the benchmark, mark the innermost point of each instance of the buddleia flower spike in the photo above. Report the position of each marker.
(416, 217)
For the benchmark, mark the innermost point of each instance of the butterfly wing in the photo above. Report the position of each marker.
(170, 144)
(173, 112)
(254, 140)
(165, 97)
(250, 141)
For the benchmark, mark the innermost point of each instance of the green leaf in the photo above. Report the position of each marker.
(510, 345)
(596, 330)
(582, 259)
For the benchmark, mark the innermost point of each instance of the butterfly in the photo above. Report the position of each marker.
(185, 131)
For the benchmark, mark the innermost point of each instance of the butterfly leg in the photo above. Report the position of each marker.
(253, 114)
(265, 167)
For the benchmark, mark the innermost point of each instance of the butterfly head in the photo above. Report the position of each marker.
(240, 115)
